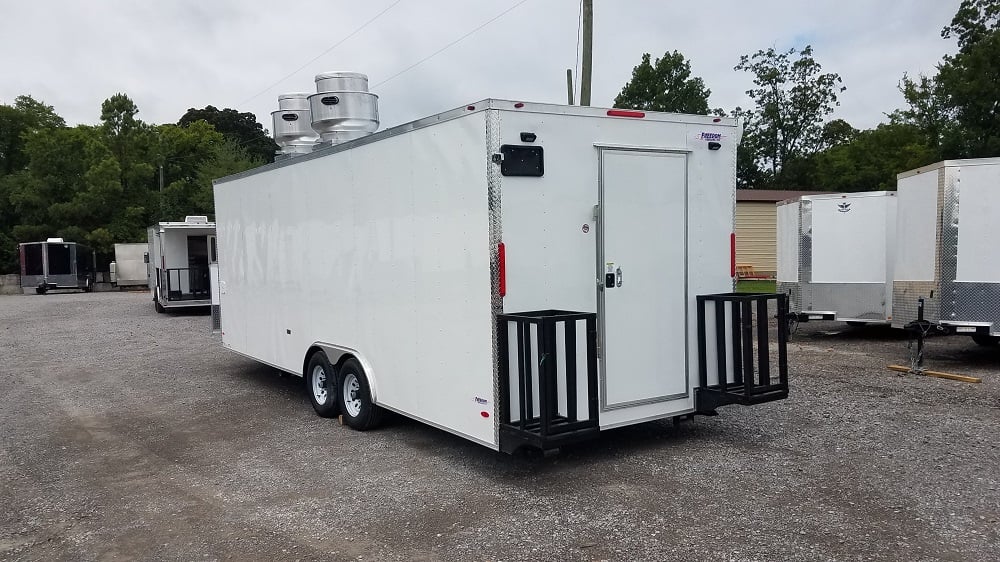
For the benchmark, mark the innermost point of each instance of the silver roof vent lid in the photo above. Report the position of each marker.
(292, 125)
(342, 108)
(196, 219)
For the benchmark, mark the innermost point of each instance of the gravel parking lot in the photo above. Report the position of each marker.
(132, 435)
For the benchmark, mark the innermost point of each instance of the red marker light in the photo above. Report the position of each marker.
(485, 414)
(732, 254)
(519, 105)
(470, 107)
(502, 267)
(625, 113)
(717, 119)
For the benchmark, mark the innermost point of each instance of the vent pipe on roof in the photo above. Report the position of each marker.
(292, 125)
(342, 108)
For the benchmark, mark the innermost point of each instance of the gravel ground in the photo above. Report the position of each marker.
(132, 435)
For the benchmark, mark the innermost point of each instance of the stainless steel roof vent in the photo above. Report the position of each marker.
(342, 108)
(292, 124)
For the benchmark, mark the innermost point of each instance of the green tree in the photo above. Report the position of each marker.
(665, 85)
(25, 117)
(793, 97)
(241, 128)
(872, 159)
(958, 109)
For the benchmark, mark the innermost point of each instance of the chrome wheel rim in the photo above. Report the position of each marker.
(352, 395)
(319, 390)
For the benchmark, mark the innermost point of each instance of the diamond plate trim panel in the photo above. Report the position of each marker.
(851, 301)
(493, 198)
(905, 295)
(805, 241)
(794, 292)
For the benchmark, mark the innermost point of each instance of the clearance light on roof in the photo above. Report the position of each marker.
(732, 254)
(502, 267)
(626, 113)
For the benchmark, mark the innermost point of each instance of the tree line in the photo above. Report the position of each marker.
(106, 183)
(789, 141)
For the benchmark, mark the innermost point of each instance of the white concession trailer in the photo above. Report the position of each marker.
(835, 256)
(130, 268)
(517, 274)
(948, 262)
(179, 258)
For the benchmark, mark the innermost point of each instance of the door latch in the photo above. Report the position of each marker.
(618, 277)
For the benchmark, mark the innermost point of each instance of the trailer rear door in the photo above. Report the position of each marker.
(643, 263)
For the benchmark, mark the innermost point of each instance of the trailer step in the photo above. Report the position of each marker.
(733, 348)
(530, 394)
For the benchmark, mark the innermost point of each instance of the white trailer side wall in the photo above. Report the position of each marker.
(788, 242)
(978, 187)
(849, 237)
(383, 249)
(917, 227)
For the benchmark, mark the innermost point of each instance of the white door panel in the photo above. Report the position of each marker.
(643, 202)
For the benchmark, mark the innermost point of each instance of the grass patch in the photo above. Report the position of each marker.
(755, 286)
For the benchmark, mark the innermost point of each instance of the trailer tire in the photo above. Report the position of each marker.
(40, 290)
(856, 324)
(321, 386)
(985, 340)
(355, 397)
(159, 307)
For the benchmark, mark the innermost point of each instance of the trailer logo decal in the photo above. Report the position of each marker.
(481, 401)
(712, 137)
(844, 207)
(586, 228)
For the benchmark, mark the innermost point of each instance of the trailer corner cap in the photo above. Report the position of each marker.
(200, 219)
(56, 240)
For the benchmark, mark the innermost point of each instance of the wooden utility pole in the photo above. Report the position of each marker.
(588, 51)
(569, 86)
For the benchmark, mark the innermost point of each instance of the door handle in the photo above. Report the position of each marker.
(618, 277)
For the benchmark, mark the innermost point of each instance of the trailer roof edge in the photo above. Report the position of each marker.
(948, 164)
(478, 107)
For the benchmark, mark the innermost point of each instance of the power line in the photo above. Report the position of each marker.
(317, 57)
(449, 45)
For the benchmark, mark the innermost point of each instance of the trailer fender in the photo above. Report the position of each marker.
(337, 354)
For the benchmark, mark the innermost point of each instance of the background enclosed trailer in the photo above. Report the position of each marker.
(436, 252)
(131, 267)
(948, 254)
(835, 255)
(56, 264)
(179, 258)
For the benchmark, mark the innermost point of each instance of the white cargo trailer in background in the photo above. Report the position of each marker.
(835, 256)
(948, 257)
(514, 273)
(179, 257)
(131, 267)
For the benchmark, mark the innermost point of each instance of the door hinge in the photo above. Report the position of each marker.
(597, 212)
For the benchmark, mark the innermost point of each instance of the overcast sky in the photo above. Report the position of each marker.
(171, 55)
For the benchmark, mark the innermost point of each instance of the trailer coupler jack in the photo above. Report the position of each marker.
(918, 330)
